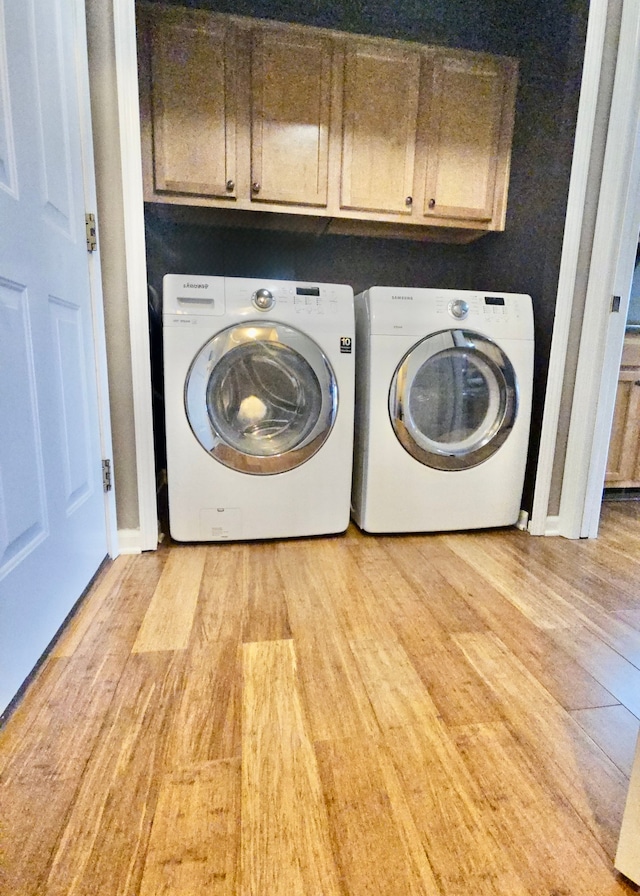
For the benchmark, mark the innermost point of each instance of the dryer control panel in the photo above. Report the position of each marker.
(418, 312)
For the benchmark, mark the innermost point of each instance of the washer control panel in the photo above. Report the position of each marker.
(305, 299)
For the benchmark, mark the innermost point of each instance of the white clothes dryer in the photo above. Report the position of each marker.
(259, 403)
(443, 404)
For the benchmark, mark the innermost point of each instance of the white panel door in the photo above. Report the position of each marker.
(52, 512)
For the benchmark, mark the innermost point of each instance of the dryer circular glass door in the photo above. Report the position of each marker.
(453, 399)
(261, 398)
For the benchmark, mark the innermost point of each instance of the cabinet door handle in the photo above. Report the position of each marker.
(409, 200)
(637, 383)
(255, 186)
(432, 203)
(230, 186)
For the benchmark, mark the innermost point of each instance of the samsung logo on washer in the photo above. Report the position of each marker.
(195, 286)
(402, 298)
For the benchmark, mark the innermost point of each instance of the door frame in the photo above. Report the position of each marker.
(613, 261)
(145, 538)
(95, 272)
(602, 332)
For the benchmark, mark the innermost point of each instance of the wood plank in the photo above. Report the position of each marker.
(15, 731)
(106, 832)
(221, 604)
(574, 766)
(549, 844)
(208, 719)
(32, 817)
(43, 770)
(411, 730)
(447, 608)
(266, 616)
(588, 609)
(285, 844)
(194, 840)
(618, 675)
(169, 618)
(103, 590)
(117, 622)
(567, 681)
(374, 836)
(614, 729)
(335, 697)
(399, 599)
(67, 724)
(458, 692)
(398, 696)
(588, 565)
(443, 800)
(523, 588)
(111, 632)
(361, 609)
(424, 609)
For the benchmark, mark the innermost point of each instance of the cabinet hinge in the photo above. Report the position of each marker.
(106, 475)
(90, 227)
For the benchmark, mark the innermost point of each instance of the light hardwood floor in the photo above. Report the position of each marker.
(399, 716)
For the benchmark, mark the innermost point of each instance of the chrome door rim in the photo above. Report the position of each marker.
(307, 357)
(498, 420)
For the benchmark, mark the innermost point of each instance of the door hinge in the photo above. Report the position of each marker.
(90, 227)
(106, 475)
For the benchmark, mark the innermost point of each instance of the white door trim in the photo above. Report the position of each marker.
(131, 155)
(95, 275)
(610, 273)
(594, 48)
(616, 244)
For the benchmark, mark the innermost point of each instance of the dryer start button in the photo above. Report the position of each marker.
(263, 299)
(458, 309)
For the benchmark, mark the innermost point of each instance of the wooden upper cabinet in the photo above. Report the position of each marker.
(193, 105)
(468, 137)
(380, 120)
(623, 461)
(382, 136)
(291, 93)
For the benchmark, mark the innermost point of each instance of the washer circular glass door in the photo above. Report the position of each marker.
(261, 398)
(453, 399)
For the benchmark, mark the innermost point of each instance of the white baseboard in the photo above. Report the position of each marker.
(130, 541)
(552, 526)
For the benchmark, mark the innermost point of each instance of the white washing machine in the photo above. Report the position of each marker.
(443, 404)
(259, 392)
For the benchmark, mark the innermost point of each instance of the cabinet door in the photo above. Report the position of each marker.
(380, 113)
(464, 146)
(623, 459)
(291, 90)
(193, 95)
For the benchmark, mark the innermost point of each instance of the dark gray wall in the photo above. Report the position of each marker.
(548, 39)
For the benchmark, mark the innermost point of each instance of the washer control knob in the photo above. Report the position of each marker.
(263, 299)
(459, 309)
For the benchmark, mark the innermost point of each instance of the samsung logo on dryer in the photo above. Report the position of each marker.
(402, 298)
(195, 286)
